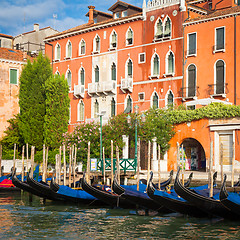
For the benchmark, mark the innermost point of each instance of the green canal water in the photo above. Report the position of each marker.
(21, 219)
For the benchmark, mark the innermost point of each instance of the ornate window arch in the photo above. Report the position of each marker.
(167, 31)
(169, 99)
(170, 63)
(57, 73)
(129, 68)
(69, 78)
(80, 111)
(129, 36)
(113, 107)
(69, 49)
(82, 47)
(155, 65)
(113, 72)
(96, 74)
(81, 76)
(57, 52)
(158, 29)
(128, 104)
(96, 43)
(113, 40)
(155, 100)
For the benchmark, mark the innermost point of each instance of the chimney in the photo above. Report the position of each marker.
(36, 27)
(90, 20)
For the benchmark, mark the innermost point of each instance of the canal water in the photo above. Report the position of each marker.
(22, 219)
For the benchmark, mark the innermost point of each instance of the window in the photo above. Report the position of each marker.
(96, 44)
(220, 38)
(96, 108)
(129, 37)
(96, 74)
(124, 13)
(155, 100)
(13, 76)
(82, 47)
(117, 15)
(81, 111)
(57, 73)
(128, 108)
(69, 50)
(170, 63)
(191, 87)
(129, 68)
(220, 77)
(69, 78)
(158, 29)
(167, 28)
(82, 76)
(141, 96)
(192, 41)
(141, 58)
(113, 107)
(113, 40)
(113, 72)
(170, 99)
(57, 52)
(155, 65)
(1, 43)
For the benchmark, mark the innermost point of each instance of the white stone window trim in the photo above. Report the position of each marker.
(215, 79)
(195, 97)
(127, 44)
(110, 40)
(79, 76)
(126, 68)
(152, 67)
(12, 68)
(80, 49)
(166, 98)
(66, 76)
(139, 57)
(194, 54)
(95, 50)
(67, 56)
(215, 40)
(151, 99)
(166, 74)
(78, 111)
(56, 59)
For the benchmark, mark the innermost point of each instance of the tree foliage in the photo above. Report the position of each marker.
(57, 110)
(32, 98)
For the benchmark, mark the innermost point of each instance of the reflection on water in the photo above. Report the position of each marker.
(21, 219)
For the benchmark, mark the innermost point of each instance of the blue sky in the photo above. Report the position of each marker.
(18, 16)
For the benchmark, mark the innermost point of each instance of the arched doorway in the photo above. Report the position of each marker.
(193, 155)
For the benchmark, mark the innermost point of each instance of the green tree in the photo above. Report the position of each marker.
(32, 98)
(57, 110)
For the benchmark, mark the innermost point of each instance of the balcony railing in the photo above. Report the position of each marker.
(102, 88)
(189, 92)
(218, 89)
(79, 91)
(127, 84)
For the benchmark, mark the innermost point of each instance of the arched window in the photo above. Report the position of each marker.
(129, 39)
(158, 29)
(113, 107)
(69, 78)
(191, 87)
(170, 63)
(81, 111)
(57, 52)
(69, 50)
(96, 108)
(129, 68)
(82, 47)
(155, 100)
(96, 74)
(220, 77)
(113, 40)
(170, 99)
(82, 76)
(57, 73)
(96, 44)
(128, 108)
(155, 65)
(113, 72)
(167, 28)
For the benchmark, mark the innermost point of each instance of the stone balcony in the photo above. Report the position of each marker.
(79, 91)
(127, 84)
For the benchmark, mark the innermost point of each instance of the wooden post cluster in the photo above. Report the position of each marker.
(32, 161)
(23, 163)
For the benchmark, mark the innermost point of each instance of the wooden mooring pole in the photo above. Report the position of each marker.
(221, 161)
(46, 164)
(104, 170)
(27, 153)
(60, 163)
(64, 165)
(70, 167)
(43, 164)
(0, 160)
(159, 167)
(118, 164)
(14, 157)
(112, 167)
(23, 163)
(32, 161)
(88, 164)
(210, 169)
(138, 164)
(149, 161)
(74, 166)
(233, 163)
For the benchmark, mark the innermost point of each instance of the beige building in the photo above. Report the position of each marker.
(6, 41)
(11, 65)
(32, 41)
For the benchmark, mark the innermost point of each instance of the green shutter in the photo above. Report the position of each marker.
(129, 68)
(114, 72)
(155, 101)
(170, 63)
(96, 74)
(13, 76)
(192, 43)
(191, 81)
(159, 31)
(167, 30)
(82, 76)
(220, 77)
(113, 108)
(155, 66)
(69, 79)
(220, 39)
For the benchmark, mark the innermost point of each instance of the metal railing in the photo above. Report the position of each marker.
(217, 89)
(189, 92)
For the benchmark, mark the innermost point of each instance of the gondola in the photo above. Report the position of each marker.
(172, 201)
(139, 198)
(230, 200)
(44, 188)
(210, 205)
(73, 195)
(110, 198)
(26, 187)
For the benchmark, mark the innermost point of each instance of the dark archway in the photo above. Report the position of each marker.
(194, 155)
